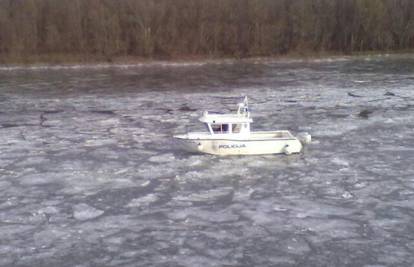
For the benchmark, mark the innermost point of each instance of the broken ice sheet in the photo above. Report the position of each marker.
(89, 170)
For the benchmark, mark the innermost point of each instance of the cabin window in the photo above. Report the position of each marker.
(220, 128)
(216, 128)
(236, 128)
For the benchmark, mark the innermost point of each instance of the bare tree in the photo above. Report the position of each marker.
(174, 28)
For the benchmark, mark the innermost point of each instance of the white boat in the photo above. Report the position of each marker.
(230, 134)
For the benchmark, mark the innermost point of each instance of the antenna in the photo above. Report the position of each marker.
(246, 107)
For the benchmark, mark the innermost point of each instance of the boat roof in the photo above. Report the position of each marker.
(225, 118)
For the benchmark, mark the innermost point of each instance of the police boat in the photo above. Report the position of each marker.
(230, 134)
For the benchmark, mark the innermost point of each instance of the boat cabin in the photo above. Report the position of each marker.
(238, 123)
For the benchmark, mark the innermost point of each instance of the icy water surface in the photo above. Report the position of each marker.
(89, 174)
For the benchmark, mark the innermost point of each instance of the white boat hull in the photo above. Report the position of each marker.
(230, 134)
(242, 147)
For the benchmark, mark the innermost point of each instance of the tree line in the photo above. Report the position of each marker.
(176, 28)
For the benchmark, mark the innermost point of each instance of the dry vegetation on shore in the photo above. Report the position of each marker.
(104, 30)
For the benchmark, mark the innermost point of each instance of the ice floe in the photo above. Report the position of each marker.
(84, 212)
(142, 201)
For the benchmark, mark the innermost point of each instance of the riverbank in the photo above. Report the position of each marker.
(79, 59)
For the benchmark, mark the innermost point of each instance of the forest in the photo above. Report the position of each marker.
(173, 29)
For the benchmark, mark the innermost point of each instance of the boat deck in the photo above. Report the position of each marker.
(253, 136)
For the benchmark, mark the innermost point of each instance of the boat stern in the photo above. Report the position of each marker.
(305, 138)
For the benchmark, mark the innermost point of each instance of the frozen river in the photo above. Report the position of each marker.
(89, 174)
